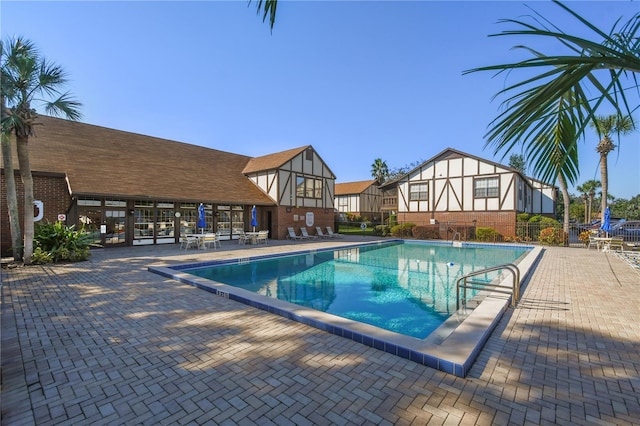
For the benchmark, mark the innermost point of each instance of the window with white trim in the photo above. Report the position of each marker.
(419, 191)
(486, 187)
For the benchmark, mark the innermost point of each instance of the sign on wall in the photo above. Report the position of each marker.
(310, 219)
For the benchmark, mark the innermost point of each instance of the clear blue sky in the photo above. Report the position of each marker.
(357, 80)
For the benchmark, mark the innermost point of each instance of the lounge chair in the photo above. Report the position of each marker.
(292, 234)
(305, 234)
(321, 234)
(332, 234)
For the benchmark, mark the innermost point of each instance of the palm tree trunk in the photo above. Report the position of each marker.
(12, 199)
(27, 182)
(604, 177)
(566, 201)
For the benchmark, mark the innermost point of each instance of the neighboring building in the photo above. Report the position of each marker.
(130, 189)
(362, 198)
(455, 187)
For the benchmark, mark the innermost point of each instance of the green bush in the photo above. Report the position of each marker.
(403, 230)
(393, 220)
(63, 242)
(523, 217)
(487, 234)
(40, 257)
(382, 230)
(426, 232)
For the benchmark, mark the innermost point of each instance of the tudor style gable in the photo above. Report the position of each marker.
(294, 178)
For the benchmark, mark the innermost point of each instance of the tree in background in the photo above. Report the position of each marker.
(517, 161)
(605, 126)
(601, 65)
(379, 170)
(27, 78)
(589, 190)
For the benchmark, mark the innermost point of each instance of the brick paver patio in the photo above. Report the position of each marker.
(107, 342)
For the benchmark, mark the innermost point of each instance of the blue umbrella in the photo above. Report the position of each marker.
(606, 221)
(202, 223)
(254, 218)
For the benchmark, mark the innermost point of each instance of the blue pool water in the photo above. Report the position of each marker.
(404, 287)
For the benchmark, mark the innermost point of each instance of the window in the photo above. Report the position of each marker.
(308, 187)
(485, 187)
(419, 192)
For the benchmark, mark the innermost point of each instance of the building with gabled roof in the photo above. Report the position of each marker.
(454, 187)
(361, 198)
(133, 189)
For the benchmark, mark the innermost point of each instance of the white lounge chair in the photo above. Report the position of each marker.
(305, 234)
(333, 234)
(292, 234)
(321, 234)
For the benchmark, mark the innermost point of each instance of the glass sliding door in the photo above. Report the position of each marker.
(116, 227)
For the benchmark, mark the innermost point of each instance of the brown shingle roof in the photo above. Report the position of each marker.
(102, 161)
(347, 188)
(272, 161)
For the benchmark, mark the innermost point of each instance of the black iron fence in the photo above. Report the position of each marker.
(496, 232)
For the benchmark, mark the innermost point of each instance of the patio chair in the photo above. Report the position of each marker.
(321, 234)
(616, 244)
(305, 234)
(242, 238)
(211, 239)
(593, 242)
(292, 234)
(186, 242)
(333, 234)
(263, 236)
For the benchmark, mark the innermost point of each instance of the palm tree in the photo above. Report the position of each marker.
(267, 7)
(26, 79)
(530, 104)
(589, 190)
(605, 126)
(379, 170)
(12, 198)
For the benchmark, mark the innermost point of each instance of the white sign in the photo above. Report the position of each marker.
(103, 229)
(40, 206)
(310, 219)
(363, 226)
(62, 217)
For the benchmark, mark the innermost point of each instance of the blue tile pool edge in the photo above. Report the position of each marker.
(454, 355)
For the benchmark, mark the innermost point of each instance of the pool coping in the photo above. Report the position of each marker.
(452, 347)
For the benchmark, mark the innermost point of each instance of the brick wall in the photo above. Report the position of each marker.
(49, 188)
(502, 221)
(284, 219)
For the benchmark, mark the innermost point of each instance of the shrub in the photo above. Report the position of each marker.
(393, 220)
(487, 234)
(427, 232)
(584, 237)
(552, 236)
(63, 242)
(382, 230)
(523, 217)
(40, 257)
(403, 230)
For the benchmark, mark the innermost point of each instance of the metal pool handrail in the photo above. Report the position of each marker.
(481, 285)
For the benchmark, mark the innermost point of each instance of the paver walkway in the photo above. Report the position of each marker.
(106, 342)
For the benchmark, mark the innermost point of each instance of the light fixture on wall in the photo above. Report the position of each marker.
(177, 214)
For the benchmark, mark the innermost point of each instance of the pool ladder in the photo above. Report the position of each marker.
(466, 282)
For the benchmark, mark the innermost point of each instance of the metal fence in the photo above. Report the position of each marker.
(522, 232)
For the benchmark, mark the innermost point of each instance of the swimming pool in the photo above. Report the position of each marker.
(415, 278)
(407, 288)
